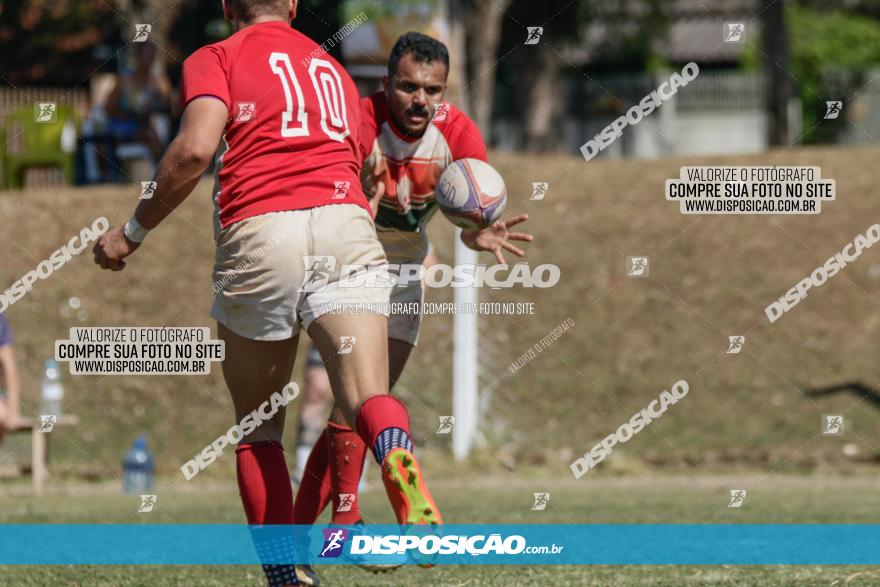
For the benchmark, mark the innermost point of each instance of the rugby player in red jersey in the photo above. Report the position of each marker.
(408, 136)
(290, 212)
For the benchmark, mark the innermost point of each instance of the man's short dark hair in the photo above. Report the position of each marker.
(423, 49)
(248, 9)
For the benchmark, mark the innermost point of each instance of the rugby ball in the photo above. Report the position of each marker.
(471, 194)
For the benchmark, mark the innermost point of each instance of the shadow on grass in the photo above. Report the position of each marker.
(856, 387)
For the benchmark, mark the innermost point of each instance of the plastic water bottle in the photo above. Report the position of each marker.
(138, 467)
(53, 390)
(68, 137)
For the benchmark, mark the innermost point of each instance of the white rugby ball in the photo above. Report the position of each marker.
(471, 194)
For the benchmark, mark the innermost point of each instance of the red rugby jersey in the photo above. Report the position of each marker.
(291, 139)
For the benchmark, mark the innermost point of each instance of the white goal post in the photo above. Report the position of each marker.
(465, 354)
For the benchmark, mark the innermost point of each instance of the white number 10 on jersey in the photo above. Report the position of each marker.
(328, 88)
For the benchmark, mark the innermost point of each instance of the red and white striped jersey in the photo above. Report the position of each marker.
(414, 165)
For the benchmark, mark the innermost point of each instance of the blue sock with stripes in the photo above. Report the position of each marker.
(388, 440)
(280, 575)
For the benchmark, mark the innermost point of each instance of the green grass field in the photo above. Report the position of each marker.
(771, 499)
(748, 422)
(710, 277)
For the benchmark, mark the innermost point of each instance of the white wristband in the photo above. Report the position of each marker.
(134, 231)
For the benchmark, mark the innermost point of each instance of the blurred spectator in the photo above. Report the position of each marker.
(139, 95)
(9, 383)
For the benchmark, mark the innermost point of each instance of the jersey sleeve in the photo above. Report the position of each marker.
(204, 74)
(368, 130)
(372, 160)
(464, 138)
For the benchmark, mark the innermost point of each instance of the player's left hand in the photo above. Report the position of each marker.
(375, 196)
(496, 238)
(112, 248)
(375, 190)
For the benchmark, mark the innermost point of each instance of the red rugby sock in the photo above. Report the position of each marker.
(264, 483)
(313, 494)
(380, 416)
(347, 453)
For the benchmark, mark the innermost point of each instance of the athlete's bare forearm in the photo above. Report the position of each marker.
(186, 159)
(179, 171)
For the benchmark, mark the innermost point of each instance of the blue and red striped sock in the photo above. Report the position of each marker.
(388, 440)
(383, 424)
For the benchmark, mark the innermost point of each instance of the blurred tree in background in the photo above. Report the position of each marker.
(536, 69)
(827, 47)
(64, 43)
(57, 43)
(482, 23)
(777, 66)
(318, 20)
(532, 77)
(201, 22)
(832, 51)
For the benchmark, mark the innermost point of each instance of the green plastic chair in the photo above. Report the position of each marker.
(42, 144)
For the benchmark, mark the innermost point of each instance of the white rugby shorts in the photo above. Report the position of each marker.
(278, 272)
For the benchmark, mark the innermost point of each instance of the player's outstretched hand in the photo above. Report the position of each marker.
(496, 238)
(112, 248)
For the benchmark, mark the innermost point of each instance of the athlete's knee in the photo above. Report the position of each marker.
(367, 397)
(337, 416)
(266, 431)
